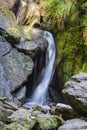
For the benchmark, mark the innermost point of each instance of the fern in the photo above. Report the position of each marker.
(56, 9)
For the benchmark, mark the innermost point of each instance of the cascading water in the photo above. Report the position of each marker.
(39, 95)
(21, 6)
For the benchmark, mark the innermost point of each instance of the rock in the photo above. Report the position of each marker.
(5, 47)
(30, 1)
(29, 15)
(4, 114)
(75, 93)
(74, 124)
(43, 109)
(14, 126)
(23, 118)
(1, 125)
(18, 67)
(15, 68)
(47, 122)
(32, 47)
(66, 111)
(20, 95)
(55, 95)
(79, 77)
(11, 4)
(2, 39)
(8, 25)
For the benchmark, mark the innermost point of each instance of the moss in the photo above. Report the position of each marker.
(48, 122)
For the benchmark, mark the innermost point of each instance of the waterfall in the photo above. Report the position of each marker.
(39, 94)
(21, 6)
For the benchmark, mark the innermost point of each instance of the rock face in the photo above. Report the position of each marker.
(15, 67)
(74, 124)
(75, 93)
(11, 4)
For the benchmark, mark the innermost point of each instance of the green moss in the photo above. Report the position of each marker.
(48, 122)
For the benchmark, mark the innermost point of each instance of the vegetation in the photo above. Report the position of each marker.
(56, 10)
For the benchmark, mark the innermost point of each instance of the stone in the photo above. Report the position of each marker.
(8, 25)
(47, 122)
(1, 125)
(5, 48)
(23, 118)
(74, 124)
(20, 95)
(14, 126)
(11, 4)
(18, 67)
(4, 114)
(29, 15)
(43, 109)
(75, 93)
(65, 111)
(37, 42)
(15, 68)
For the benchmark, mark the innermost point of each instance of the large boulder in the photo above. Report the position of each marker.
(74, 124)
(37, 42)
(11, 4)
(65, 111)
(75, 93)
(24, 118)
(15, 68)
(47, 122)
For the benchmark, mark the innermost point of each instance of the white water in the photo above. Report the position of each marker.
(39, 95)
(21, 6)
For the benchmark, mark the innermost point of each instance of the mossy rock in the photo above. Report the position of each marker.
(47, 122)
(8, 25)
(24, 118)
(14, 126)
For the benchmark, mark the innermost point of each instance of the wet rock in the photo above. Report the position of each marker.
(23, 118)
(66, 111)
(74, 124)
(47, 122)
(29, 15)
(11, 4)
(75, 93)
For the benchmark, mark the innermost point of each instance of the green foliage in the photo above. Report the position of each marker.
(84, 5)
(57, 9)
(84, 21)
(84, 18)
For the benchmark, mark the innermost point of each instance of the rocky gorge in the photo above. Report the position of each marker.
(23, 50)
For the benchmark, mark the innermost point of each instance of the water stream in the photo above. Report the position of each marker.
(39, 94)
(21, 6)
